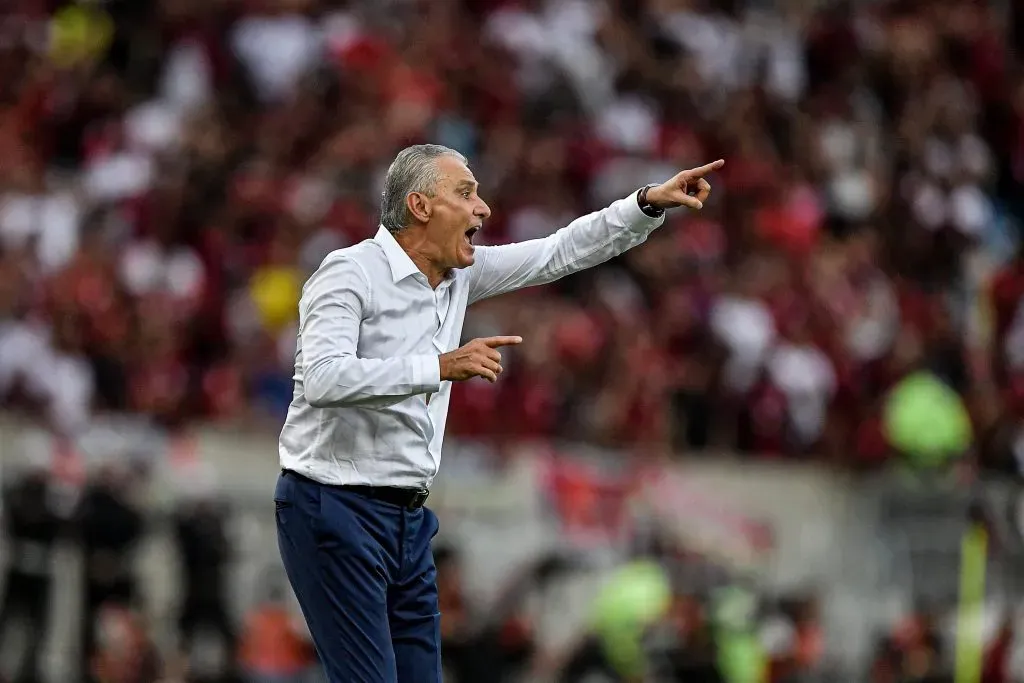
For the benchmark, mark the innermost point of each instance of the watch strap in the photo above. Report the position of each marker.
(645, 206)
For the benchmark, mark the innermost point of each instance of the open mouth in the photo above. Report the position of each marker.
(472, 231)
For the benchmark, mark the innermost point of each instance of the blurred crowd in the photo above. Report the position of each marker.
(98, 529)
(667, 614)
(173, 171)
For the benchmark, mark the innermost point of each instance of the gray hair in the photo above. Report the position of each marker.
(413, 170)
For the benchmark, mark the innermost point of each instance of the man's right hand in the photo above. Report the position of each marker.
(478, 358)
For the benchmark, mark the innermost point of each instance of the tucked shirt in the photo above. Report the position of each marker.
(369, 406)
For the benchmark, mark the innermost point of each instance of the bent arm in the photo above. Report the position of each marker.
(334, 303)
(586, 242)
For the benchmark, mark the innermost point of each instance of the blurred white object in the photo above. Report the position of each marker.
(67, 386)
(971, 210)
(853, 194)
(277, 51)
(746, 328)
(147, 268)
(21, 345)
(187, 78)
(929, 206)
(152, 127)
(52, 219)
(723, 57)
(629, 124)
(806, 377)
(871, 334)
(121, 175)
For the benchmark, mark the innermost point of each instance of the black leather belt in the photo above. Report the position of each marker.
(410, 499)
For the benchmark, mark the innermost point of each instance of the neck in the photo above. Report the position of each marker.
(418, 250)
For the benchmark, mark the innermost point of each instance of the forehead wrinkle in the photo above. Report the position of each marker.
(454, 170)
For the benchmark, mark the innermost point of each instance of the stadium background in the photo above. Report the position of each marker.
(800, 403)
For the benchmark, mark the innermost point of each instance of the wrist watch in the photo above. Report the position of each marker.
(645, 206)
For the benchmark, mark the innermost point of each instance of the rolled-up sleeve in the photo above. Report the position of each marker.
(331, 309)
(584, 243)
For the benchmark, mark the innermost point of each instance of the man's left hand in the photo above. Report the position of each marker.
(687, 188)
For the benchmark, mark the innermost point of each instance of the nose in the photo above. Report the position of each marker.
(482, 211)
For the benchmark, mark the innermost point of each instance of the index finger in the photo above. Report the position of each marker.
(702, 171)
(495, 342)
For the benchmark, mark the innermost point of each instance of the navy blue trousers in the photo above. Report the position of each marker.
(364, 576)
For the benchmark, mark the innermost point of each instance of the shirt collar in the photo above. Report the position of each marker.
(401, 265)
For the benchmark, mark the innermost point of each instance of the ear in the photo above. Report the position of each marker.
(419, 206)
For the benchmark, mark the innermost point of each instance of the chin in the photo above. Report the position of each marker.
(466, 258)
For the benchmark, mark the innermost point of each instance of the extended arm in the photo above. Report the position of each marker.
(586, 242)
(333, 304)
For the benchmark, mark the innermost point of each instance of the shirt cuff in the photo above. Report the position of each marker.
(633, 218)
(426, 373)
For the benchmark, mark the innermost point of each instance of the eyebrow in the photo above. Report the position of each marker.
(471, 184)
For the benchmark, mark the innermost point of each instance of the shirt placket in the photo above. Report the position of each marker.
(442, 303)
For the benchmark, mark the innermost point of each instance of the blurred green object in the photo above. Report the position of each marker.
(927, 421)
(970, 641)
(633, 599)
(741, 657)
(79, 33)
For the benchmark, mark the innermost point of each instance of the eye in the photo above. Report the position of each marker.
(466, 194)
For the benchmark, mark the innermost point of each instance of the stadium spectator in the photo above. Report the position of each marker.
(108, 527)
(32, 527)
(204, 546)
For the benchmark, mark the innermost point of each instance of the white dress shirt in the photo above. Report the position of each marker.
(369, 405)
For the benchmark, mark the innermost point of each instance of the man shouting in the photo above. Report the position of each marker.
(379, 328)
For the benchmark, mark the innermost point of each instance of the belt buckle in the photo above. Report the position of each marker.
(418, 499)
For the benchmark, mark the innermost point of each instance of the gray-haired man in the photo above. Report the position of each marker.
(379, 331)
